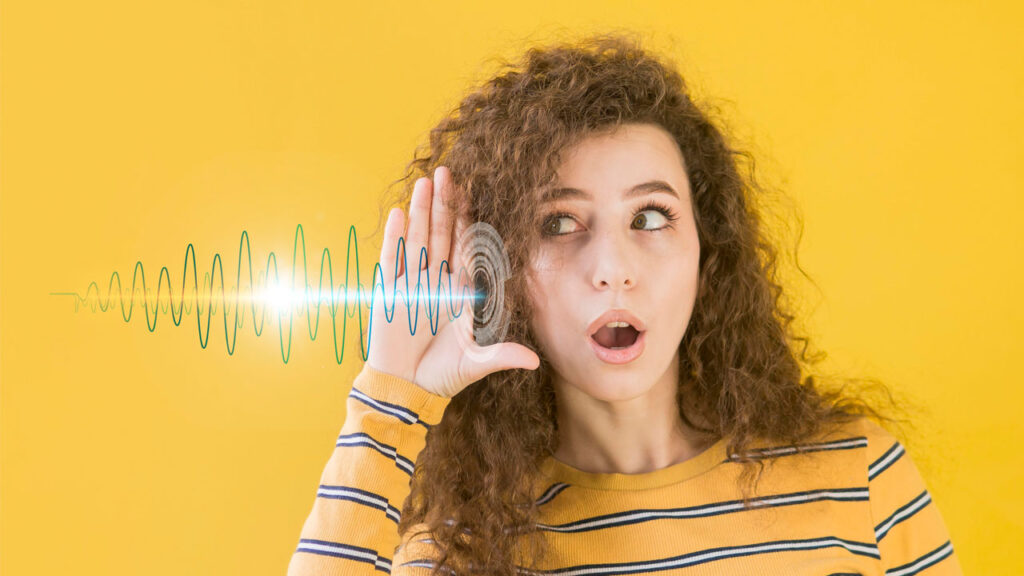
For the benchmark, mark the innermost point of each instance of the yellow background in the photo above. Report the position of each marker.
(131, 129)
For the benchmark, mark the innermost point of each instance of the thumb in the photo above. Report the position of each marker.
(497, 357)
(518, 356)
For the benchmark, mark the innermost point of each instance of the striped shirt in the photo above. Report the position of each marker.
(855, 503)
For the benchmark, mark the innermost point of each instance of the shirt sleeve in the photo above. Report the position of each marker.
(911, 534)
(353, 526)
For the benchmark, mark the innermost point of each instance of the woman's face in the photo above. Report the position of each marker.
(612, 250)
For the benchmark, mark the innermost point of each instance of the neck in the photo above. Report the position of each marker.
(632, 436)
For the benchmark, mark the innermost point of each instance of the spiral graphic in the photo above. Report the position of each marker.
(485, 258)
(286, 291)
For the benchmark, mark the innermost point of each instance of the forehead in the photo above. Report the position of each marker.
(632, 158)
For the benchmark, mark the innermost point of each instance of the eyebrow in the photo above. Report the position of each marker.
(638, 190)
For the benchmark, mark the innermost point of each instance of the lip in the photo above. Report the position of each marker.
(616, 315)
(622, 356)
(625, 355)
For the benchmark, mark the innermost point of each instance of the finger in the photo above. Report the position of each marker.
(388, 250)
(461, 286)
(498, 357)
(379, 305)
(389, 246)
(465, 327)
(419, 222)
(440, 222)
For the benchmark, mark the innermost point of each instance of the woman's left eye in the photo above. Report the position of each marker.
(664, 212)
(551, 226)
(640, 217)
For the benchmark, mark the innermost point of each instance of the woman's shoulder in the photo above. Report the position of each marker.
(842, 451)
(858, 428)
(871, 444)
(876, 438)
(858, 432)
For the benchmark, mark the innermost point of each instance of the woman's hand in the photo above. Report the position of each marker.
(447, 362)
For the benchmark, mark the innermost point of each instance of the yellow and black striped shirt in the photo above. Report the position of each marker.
(854, 503)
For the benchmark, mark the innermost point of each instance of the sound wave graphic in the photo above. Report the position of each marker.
(481, 248)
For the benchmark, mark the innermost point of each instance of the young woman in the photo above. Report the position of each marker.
(646, 411)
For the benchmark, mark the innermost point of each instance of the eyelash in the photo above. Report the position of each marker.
(665, 211)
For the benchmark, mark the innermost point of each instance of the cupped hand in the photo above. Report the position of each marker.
(448, 361)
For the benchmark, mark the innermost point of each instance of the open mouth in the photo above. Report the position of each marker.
(616, 336)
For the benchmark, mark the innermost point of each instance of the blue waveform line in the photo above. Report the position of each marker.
(280, 297)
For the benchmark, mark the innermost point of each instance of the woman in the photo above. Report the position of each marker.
(646, 412)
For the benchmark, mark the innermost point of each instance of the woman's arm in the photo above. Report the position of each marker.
(909, 528)
(353, 526)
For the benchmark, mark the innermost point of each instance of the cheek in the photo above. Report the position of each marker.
(535, 294)
(685, 277)
(548, 259)
(546, 301)
(678, 259)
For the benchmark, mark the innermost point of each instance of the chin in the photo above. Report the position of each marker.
(614, 387)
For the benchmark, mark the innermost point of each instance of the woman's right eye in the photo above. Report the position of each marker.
(552, 224)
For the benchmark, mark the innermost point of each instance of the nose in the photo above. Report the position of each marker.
(614, 263)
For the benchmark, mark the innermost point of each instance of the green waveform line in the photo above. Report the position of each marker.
(279, 297)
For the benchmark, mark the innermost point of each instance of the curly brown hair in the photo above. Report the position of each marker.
(740, 360)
